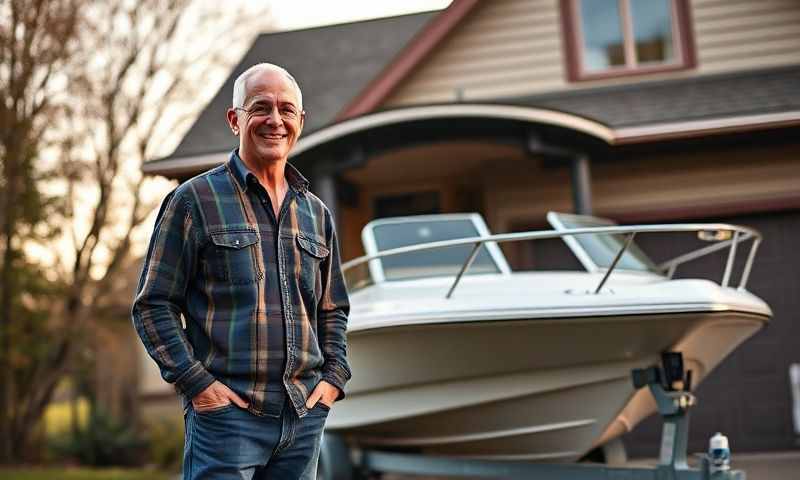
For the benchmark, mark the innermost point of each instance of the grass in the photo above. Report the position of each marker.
(70, 473)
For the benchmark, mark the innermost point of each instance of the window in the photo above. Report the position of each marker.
(607, 38)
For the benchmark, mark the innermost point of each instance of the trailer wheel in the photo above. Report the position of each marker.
(334, 459)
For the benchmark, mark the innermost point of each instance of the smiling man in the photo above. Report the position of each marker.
(247, 257)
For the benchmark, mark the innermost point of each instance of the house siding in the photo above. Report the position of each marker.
(503, 48)
(735, 34)
(509, 48)
(516, 191)
(653, 184)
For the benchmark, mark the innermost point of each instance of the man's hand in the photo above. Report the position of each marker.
(324, 392)
(215, 396)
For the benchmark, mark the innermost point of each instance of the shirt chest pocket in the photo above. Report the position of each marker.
(234, 257)
(312, 254)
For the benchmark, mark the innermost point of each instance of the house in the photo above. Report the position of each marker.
(658, 111)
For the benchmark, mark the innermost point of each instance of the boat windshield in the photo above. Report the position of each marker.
(387, 234)
(597, 251)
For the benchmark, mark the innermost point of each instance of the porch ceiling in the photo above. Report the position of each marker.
(458, 161)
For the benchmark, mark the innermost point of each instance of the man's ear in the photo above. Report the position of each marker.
(302, 122)
(233, 120)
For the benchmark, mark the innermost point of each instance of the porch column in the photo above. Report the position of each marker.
(324, 186)
(581, 185)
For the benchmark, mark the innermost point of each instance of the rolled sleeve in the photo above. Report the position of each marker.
(161, 296)
(332, 313)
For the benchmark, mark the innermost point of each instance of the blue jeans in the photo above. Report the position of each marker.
(232, 443)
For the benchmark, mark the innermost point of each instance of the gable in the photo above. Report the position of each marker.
(511, 48)
(502, 49)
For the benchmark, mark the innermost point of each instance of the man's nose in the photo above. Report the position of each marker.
(274, 116)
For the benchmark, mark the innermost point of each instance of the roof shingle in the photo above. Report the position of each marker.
(334, 63)
(331, 64)
(694, 98)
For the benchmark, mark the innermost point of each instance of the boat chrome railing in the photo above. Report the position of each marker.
(725, 235)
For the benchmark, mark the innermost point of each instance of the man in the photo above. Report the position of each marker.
(248, 258)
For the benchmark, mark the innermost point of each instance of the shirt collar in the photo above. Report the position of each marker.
(242, 174)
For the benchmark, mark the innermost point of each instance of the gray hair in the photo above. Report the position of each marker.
(239, 90)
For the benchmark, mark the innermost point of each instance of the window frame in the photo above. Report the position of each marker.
(682, 35)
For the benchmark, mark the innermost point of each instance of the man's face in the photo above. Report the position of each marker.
(270, 120)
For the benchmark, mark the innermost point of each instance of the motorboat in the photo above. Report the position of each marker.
(454, 354)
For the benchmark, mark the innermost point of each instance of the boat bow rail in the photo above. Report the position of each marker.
(722, 234)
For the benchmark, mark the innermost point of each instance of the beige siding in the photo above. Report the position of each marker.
(503, 48)
(515, 191)
(732, 35)
(650, 184)
(514, 47)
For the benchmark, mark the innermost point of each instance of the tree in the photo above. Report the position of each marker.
(36, 39)
(127, 75)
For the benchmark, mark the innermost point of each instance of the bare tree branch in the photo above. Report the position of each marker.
(131, 84)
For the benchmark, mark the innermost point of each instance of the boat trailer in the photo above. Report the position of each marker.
(671, 388)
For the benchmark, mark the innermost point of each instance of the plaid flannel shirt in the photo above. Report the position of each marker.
(205, 269)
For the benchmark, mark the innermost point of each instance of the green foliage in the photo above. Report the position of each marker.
(32, 336)
(58, 417)
(162, 439)
(165, 441)
(105, 441)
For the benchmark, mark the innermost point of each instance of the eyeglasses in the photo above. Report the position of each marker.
(287, 111)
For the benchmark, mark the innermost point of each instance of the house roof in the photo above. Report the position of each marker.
(735, 94)
(331, 64)
(348, 69)
(370, 98)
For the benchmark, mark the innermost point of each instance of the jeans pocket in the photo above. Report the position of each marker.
(216, 410)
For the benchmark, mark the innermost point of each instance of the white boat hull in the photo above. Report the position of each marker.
(534, 389)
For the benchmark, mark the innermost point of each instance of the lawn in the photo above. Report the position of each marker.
(41, 473)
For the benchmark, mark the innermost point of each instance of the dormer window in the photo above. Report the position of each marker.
(607, 38)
